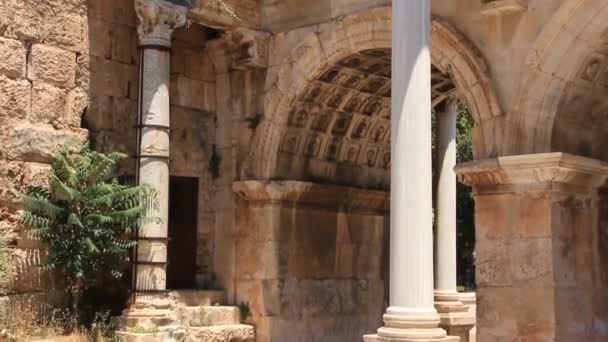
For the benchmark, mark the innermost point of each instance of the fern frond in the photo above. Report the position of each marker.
(64, 170)
(73, 220)
(60, 190)
(41, 207)
(103, 166)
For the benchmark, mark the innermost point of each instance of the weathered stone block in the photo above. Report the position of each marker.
(124, 44)
(112, 78)
(37, 143)
(12, 58)
(65, 30)
(15, 98)
(76, 103)
(48, 103)
(52, 65)
(191, 93)
(97, 38)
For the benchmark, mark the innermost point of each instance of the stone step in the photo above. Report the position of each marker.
(221, 333)
(126, 336)
(204, 316)
(197, 297)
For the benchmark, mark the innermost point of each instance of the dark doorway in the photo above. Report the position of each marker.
(183, 209)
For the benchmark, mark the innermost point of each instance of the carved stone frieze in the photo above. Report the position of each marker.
(249, 48)
(307, 193)
(157, 21)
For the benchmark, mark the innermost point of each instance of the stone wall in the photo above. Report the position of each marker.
(311, 268)
(193, 132)
(43, 93)
(68, 71)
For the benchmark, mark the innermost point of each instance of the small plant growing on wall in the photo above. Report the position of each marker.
(245, 310)
(85, 217)
(214, 163)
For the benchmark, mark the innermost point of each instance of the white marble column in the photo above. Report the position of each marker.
(445, 272)
(454, 316)
(411, 315)
(157, 20)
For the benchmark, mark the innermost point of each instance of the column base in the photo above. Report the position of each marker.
(376, 338)
(410, 325)
(149, 311)
(454, 316)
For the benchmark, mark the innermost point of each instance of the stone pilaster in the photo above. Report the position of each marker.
(540, 247)
(157, 20)
(455, 318)
(411, 315)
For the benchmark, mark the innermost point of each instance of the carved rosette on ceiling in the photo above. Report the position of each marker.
(157, 20)
(249, 48)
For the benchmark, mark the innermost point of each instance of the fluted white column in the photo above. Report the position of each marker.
(454, 316)
(411, 315)
(445, 279)
(157, 20)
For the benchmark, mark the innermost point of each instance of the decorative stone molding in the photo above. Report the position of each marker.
(250, 48)
(307, 193)
(157, 20)
(499, 7)
(534, 169)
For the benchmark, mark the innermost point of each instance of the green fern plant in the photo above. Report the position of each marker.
(85, 217)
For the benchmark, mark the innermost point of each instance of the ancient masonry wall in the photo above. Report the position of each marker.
(44, 81)
(68, 71)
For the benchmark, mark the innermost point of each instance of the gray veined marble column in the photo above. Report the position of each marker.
(411, 315)
(157, 20)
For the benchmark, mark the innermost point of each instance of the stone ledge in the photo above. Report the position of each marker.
(541, 168)
(308, 193)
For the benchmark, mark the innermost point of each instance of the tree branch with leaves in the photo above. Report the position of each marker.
(86, 217)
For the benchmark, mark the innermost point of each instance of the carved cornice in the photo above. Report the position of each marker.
(530, 169)
(157, 19)
(313, 194)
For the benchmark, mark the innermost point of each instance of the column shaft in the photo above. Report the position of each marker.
(411, 247)
(446, 200)
(153, 166)
(157, 20)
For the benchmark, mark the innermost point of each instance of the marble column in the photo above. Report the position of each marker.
(411, 315)
(157, 20)
(453, 314)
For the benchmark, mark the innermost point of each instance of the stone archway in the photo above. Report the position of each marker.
(340, 39)
(564, 78)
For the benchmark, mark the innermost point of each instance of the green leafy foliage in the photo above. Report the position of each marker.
(465, 206)
(245, 310)
(85, 216)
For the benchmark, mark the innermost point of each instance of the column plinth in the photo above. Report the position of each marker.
(411, 315)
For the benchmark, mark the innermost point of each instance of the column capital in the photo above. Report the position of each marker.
(531, 169)
(157, 19)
